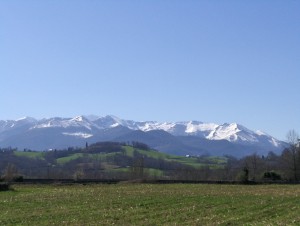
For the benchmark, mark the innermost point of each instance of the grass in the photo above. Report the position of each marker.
(147, 171)
(149, 204)
(64, 160)
(97, 156)
(39, 155)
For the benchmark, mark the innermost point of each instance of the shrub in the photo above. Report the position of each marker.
(271, 175)
(4, 187)
(243, 176)
(18, 179)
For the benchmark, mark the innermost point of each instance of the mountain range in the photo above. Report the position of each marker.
(181, 138)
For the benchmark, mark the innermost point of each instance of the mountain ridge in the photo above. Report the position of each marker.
(75, 131)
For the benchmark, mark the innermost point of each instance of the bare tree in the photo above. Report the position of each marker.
(291, 155)
(253, 162)
(137, 168)
(10, 172)
(79, 173)
(292, 137)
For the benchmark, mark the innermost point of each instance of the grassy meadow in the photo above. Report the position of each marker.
(150, 204)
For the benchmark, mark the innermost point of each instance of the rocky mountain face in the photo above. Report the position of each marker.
(181, 138)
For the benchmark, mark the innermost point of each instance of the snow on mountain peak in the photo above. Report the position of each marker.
(233, 132)
(193, 127)
(107, 121)
(21, 119)
(261, 133)
(79, 119)
(26, 119)
(117, 121)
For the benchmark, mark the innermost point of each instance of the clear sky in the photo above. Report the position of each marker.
(164, 60)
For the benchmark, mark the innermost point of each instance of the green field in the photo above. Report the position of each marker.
(151, 204)
(39, 155)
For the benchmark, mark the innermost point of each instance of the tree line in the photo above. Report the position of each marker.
(109, 160)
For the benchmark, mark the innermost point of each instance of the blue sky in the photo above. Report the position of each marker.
(212, 61)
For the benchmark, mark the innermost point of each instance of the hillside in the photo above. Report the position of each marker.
(107, 160)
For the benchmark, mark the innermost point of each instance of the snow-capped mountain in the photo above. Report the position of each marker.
(79, 122)
(189, 136)
(13, 124)
(231, 132)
